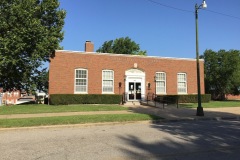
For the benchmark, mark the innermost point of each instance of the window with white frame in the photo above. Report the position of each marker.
(182, 83)
(107, 81)
(81, 76)
(160, 78)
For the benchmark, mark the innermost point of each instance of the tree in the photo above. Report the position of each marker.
(30, 30)
(121, 46)
(222, 72)
(41, 81)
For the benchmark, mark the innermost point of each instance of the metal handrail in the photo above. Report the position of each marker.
(150, 96)
(124, 97)
(164, 101)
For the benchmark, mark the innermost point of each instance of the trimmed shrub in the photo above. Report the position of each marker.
(193, 98)
(65, 99)
(205, 98)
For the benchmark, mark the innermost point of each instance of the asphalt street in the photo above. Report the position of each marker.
(183, 140)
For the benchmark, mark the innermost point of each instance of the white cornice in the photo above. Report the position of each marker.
(125, 55)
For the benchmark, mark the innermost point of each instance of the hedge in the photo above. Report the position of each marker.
(193, 98)
(65, 99)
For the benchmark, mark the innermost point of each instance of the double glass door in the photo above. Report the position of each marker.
(134, 91)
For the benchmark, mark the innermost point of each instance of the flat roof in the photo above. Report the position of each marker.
(126, 55)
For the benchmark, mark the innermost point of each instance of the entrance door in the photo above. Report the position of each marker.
(134, 85)
(134, 91)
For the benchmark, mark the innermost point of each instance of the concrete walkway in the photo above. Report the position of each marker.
(169, 113)
(173, 113)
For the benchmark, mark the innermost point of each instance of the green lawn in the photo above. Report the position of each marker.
(37, 108)
(212, 104)
(43, 121)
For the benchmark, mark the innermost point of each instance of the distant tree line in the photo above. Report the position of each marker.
(222, 73)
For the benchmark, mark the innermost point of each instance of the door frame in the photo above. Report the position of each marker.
(136, 76)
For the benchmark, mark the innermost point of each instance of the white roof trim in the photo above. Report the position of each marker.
(127, 55)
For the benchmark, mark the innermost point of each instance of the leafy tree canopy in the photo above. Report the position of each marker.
(121, 46)
(30, 30)
(222, 72)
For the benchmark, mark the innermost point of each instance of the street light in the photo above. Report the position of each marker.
(199, 108)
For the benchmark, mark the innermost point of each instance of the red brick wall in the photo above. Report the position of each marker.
(89, 47)
(233, 97)
(63, 65)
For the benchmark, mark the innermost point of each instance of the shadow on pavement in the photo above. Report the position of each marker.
(186, 141)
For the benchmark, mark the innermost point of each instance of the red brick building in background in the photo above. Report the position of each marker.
(9, 97)
(74, 72)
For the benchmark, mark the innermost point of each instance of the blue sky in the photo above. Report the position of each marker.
(159, 30)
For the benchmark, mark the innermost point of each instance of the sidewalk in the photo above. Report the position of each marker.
(169, 113)
(172, 113)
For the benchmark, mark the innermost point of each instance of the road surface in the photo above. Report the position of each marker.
(184, 140)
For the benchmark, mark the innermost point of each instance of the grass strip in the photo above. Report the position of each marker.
(212, 104)
(37, 108)
(43, 121)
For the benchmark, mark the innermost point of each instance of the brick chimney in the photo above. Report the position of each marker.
(89, 46)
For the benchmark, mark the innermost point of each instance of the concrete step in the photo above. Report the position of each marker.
(132, 103)
(153, 104)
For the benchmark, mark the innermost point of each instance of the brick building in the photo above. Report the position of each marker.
(10, 97)
(73, 72)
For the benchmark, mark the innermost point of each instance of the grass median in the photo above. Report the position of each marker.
(38, 108)
(213, 104)
(44, 121)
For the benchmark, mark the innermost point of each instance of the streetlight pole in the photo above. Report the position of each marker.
(199, 108)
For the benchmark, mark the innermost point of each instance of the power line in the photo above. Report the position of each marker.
(223, 14)
(168, 6)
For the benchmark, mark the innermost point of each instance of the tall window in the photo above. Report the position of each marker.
(160, 82)
(81, 76)
(107, 81)
(182, 83)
